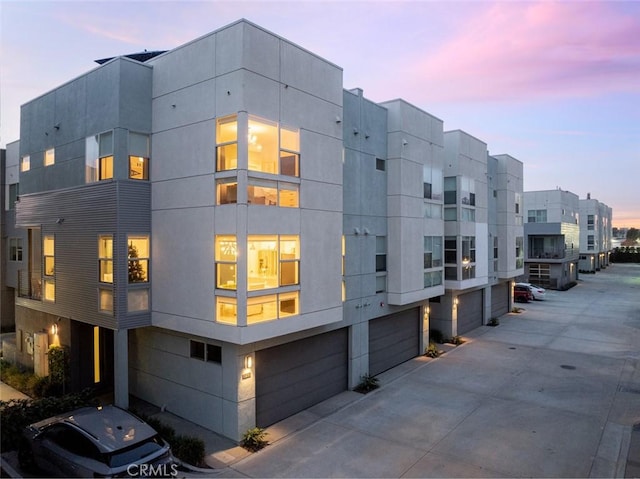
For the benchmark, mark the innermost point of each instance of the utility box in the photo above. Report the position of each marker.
(40, 358)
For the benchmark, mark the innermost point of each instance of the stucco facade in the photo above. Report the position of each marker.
(595, 235)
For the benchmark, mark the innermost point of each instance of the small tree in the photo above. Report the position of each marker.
(137, 273)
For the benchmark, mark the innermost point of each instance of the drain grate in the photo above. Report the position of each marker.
(567, 366)
(626, 389)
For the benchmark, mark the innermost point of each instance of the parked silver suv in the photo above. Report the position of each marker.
(103, 441)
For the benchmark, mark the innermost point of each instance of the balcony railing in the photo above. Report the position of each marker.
(29, 285)
(546, 254)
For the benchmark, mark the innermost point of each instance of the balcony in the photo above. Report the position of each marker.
(30, 285)
(544, 253)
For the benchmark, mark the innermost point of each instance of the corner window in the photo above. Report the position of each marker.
(272, 261)
(227, 143)
(137, 300)
(381, 164)
(25, 163)
(226, 310)
(227, 191)
(432, 252)
(450, 196)
(13, 196)
(381, 253)
(450, 250)
(105, 258)
(226, 257)
(205, 352)
(49, 157)
(138, 259)
(138, 156)
(99, 157)
(289, 152)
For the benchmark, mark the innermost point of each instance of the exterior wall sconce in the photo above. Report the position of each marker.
(248, 361)
(455, 302)
(54, 329)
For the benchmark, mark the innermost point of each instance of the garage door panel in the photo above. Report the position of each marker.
(499, 299)
(469, 311)
(297, 375)
(393, 340)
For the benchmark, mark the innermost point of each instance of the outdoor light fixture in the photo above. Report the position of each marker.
(54, 329)
(455, 302)
(248, 361)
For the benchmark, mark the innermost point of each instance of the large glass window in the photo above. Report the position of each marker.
(432, 182)
(289, 152)
(99, 157)
(138, 156)
(226, 255)
(262, 140)
(13, 196)
(227, 141)
(450, 189)
(49, 157)
(519, 252)
(272, 261)
(467, 191)
(262, 192)
(468, 249)
(105, 258)
(537, 216)
(227, 191)
(590, 222)
(450, 250)
(138, 259)
(432, 252)
(226, 310)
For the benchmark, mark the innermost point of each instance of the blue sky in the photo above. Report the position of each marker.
(554, 84)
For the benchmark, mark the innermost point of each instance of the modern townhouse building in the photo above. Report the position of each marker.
(552, 238)
(483, 235)
(224, 231)
(595, 235)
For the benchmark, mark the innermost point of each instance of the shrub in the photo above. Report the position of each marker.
(367, 384)
(457, 340)
(494, 322)
(254, 439)
(188, 449)
(432, 350)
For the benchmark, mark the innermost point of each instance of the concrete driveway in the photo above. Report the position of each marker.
(551, 392)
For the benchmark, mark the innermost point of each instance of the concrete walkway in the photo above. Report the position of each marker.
(551, 392)
(7, 393)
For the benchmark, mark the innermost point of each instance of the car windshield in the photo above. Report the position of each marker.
(136, 452)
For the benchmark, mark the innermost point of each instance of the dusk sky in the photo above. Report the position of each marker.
(554, 84)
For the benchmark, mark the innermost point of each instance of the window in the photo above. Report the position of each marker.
(432, 182)
(48, 252)
(105, 300)
(426, 188)
(105, 258)
(138, 259)
(289, 152)
(518, 203)
(25, 163)
(49, 290)
(467, 191)
(49, 157)
(226, 310)
(226, 262)
(590, 222)
(590, 242)
(227, 141)
(495, 253)
(537, 216)
(206, 352)
(273, 306)
(432, 252)
(467, 214)
(381, 253)
(262, 140)
(227, 191)
(450, 197)
(99, 157)
(272, 261)
(451, 214)
(432, 210)
(138, 156)
(13, 196)
(432, 278)
(380, 164)
(450, 250)
(381, 283)
(520, 252)
(468, 250)
(137, 300)
(15, 249)
(262, 192)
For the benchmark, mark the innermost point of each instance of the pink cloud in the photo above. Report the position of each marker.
(535, 50)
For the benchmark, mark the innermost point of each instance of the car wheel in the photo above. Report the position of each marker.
(25, 456)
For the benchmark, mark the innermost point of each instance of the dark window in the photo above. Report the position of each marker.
(214, 353)
(197, 350)
(380, 164)
(427, 190)
(472, 199)
(449, 197)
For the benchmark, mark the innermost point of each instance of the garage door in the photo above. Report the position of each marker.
(393, 339)
(297, 375)
(469, 311)
(499, 299)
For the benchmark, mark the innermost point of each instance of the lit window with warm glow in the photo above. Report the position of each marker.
(226, 310)
(25, 163)
(262, 139)
(272, 261)
(273, 306)
(138, 259)
(226, 254)
(105, 258)
(49, 290)
(48, 251)
(227, 143)
(262, 192)
(289, 152)
(288, 195)
(227, 191)
(138, 156)
(49, 157)
(99, 157)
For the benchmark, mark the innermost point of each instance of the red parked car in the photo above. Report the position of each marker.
(522, 294)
